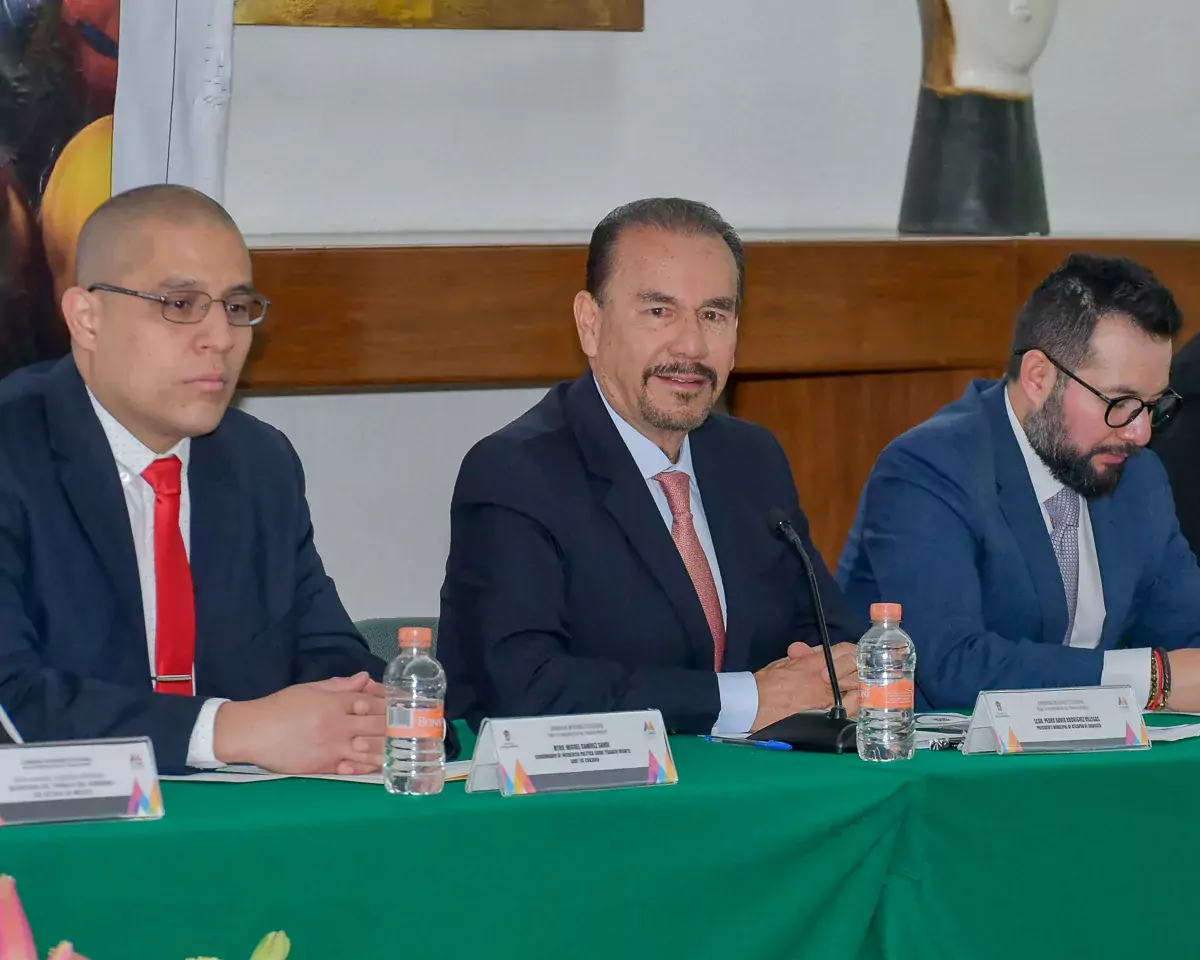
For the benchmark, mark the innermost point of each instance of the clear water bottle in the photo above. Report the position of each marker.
(414, 756)
(887, 661)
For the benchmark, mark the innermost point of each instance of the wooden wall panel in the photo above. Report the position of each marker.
(344, 318)
(833, 428)
(849, 306)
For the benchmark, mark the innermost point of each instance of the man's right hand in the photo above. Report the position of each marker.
(330, 726)
(799, 682)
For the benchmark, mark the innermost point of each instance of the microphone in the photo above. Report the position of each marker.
(830, 732)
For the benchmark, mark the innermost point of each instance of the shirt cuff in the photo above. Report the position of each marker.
(739, 703)
(1128, 667)
(201, 750)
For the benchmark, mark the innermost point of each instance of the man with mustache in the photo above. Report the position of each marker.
(1030, 538)
(610, 549)
(157, 569)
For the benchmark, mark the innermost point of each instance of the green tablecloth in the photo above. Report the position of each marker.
(752, 854)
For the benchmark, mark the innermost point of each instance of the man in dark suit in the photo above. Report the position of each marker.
(1178, 443)
(1029, 537)
(157, 568)
(610, 549)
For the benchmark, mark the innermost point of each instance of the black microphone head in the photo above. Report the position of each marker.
(777, 519)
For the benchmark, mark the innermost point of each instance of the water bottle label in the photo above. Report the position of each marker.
(897, 695)
(415, 723)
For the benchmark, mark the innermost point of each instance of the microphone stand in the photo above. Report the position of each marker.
(830, 732)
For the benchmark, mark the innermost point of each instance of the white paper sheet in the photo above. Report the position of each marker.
(1180, 731)
(174, 81)
(251, 774)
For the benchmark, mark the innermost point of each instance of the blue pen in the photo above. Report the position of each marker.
(763, 744)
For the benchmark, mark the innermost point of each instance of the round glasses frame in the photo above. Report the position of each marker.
(1123, 410)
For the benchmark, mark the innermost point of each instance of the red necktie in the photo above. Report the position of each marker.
(677, 486)
(175, 617)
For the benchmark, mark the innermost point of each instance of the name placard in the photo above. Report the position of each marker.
(79, 780)
(1067, 720)
(594, 751)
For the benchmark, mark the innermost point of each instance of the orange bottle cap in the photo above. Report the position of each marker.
(885, 611)
(416, 637)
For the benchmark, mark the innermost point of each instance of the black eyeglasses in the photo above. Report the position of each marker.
(1122, 411)
(191, 306)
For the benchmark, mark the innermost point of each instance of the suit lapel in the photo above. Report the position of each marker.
(730, 523)
(219, 523)
(89, 477)
(1021, 509)
(628, 500)
(1115, 575)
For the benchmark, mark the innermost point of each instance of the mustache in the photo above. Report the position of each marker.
(681, 369)
(1116, 449)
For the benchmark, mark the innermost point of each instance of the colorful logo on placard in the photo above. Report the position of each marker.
(647, 727)
(1123, 703)
(142, 804)
(660, 772)
(520, 782)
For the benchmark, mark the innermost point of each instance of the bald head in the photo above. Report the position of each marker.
(115, 237)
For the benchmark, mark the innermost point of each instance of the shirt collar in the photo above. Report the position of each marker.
(650, 460)
(1045, 485)
(128, 450)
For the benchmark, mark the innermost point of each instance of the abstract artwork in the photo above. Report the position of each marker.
(462, 14)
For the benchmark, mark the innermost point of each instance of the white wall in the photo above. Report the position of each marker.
(787, 115)
(380, 468)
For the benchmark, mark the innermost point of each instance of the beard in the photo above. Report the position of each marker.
(1047, 432)
(681, 420)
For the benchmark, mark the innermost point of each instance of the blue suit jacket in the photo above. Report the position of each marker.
(565, 593)
(949, 526)
(73, 657)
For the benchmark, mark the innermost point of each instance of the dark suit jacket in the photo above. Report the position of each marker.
(565, 593)
(949, 526)
(1178, 443)
(73, 657)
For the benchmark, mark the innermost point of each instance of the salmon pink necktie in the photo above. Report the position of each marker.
(175, 617)
(677, 486)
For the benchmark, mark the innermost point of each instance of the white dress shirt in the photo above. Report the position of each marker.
(1120, 666)
(132, 457)
(739, 691)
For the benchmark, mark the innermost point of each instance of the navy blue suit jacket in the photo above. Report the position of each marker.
(949, 526)
(73, 653)
(565, 593)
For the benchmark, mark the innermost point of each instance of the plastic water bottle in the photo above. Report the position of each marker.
(414, 758)
(887, 661)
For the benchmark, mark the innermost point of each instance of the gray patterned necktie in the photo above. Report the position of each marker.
(1063, 508)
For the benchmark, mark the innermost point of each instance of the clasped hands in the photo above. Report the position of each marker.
(328, 726)
(800, 681)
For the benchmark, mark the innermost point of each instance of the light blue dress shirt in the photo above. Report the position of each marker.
(739, 691)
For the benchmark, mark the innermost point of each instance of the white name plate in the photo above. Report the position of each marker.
(1068, 720)
(594, 751)
(79, 780)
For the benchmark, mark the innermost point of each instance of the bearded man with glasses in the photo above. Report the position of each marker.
(1029, 535)
(158, 575)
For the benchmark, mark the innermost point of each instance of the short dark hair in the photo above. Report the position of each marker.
(664, 213)
(1060, 316)
(105, 233)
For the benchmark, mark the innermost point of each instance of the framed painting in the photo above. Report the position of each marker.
(460, 14)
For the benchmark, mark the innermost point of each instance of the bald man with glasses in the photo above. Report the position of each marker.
(1030, 537)
(158, 575)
